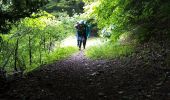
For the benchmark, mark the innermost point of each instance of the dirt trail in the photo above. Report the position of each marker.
(80, 78)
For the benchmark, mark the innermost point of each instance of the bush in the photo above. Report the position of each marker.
(58, 54)
(32, 39)
(109, 51)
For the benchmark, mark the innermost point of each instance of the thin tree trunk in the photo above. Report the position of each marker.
(30, 51)
(7, 56)
(40, 54)
(44, 40)
(50, 44)
(16, 55)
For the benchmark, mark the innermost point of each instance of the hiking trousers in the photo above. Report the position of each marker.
(82, 40)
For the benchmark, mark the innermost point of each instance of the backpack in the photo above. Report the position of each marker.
(81, 28)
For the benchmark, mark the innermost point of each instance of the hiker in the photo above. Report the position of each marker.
(82, 33)
(77, 32)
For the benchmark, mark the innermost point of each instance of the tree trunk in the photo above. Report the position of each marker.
(50, 45)
(30, 51)
(40, 54)
(44, 40)
(16, 55)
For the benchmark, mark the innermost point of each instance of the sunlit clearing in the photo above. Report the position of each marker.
(72, 41)
(69, 41)
(94, 42)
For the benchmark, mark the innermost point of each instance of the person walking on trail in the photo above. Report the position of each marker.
(82, 33)
(77, 33)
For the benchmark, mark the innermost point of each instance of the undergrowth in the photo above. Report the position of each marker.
(116, 46)
(58, 54)
(109, 51)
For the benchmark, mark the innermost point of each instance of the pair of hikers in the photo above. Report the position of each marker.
(83, 32)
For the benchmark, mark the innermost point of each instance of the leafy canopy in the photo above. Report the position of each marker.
(12, 10)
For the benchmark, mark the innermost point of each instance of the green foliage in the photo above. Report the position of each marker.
(126, 15)
(65, 6)
(141, 33)
(28, 44)
(118, 45)
(109, 51)
(134, 21)
(12, 10)
(58, 54)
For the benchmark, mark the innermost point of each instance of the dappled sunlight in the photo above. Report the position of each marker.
(72, 41)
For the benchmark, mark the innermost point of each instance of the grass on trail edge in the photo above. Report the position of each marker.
(58, 54)
(109, 51)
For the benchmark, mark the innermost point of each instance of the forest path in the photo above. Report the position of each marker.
(72, 41)
(80, 78)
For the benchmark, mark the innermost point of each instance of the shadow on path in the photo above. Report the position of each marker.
(79, 78)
